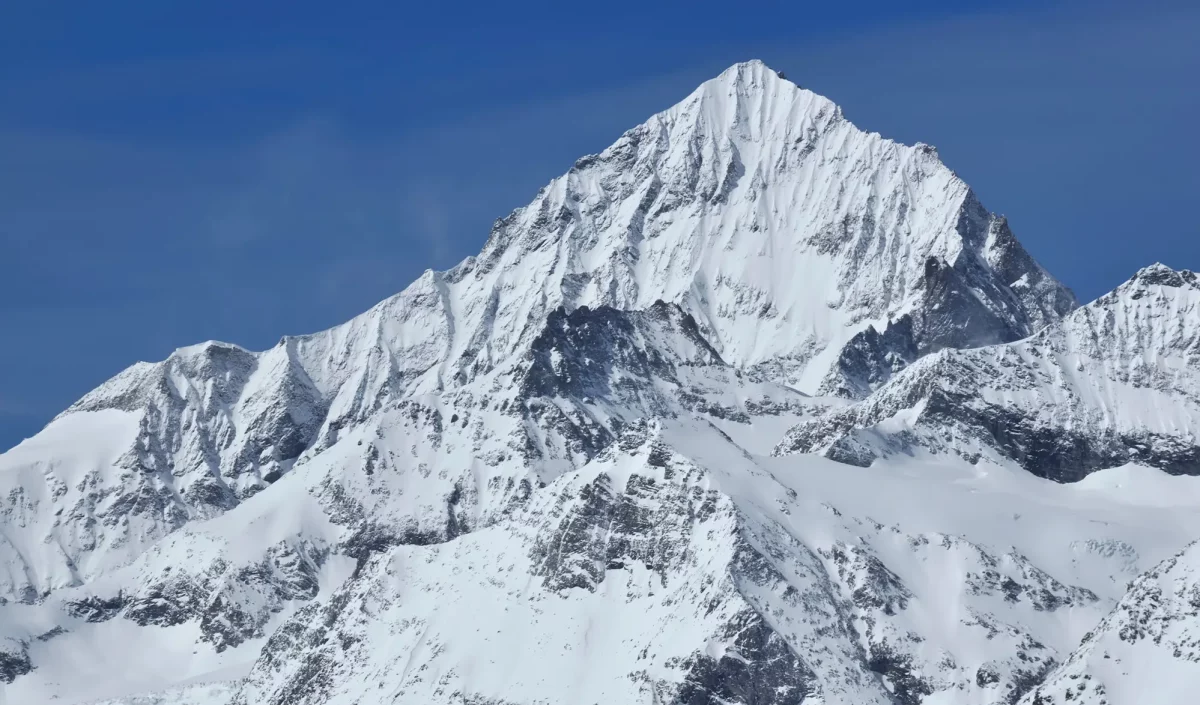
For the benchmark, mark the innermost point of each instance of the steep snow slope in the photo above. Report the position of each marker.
(1146, 651)
(780, 226)
(1116, 381)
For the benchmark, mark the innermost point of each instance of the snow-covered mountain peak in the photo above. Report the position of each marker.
(1155, 313)
(781, 227)
(751, 95)
(545, 474)
(1159, 274)
(785, 236)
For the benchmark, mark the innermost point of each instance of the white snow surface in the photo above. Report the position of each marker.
(1122, 373)
(564, 471)
(1146, 651)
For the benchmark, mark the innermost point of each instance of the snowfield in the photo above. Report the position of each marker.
(752, 407)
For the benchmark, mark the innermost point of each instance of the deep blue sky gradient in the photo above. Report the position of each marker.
(176, 172)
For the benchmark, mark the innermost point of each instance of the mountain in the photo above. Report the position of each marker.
(1114, 382)
(783, 229)
(714, 205)
(1146, 650)
(700, 424)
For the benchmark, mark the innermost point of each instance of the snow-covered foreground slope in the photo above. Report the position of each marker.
(588, 464)
(679, 568)
(684, 563)
(1115, 381)
(1146, 651)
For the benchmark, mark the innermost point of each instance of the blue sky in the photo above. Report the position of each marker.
(176, 172)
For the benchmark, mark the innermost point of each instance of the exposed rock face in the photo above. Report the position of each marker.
(546, 474)
(962, 304)
(14, 660)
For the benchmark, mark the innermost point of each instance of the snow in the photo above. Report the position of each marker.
(1121, 374)
(87, 658)
(1145, 650)
(468, 610)
(86, 440)
(1138, 484)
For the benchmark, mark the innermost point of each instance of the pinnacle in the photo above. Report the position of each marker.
(1161, 275)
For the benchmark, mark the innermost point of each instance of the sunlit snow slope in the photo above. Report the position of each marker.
(1113, 382)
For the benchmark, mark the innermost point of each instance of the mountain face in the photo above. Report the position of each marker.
(752, 407)
(783, 229)
(1114, 382)
(1146, 650)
